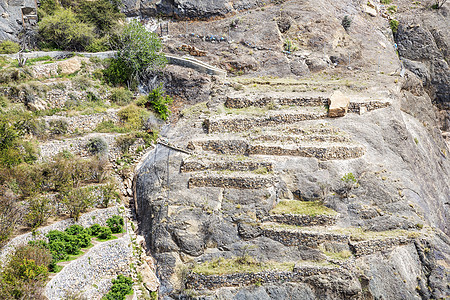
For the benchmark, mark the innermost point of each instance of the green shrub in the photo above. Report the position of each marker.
(77, 201)
(118, 73)
(104, 233)
(109, 193)
(9, 75)
(346, 22)
(121, 96)
(132, 116)
(124, 142)
(75, 230)
(9, 47)
(95, 229)
(58, 127)
(121, 287)
(115, 223)
(103, 14)
(386, 1)
(24, 276)
(64, 31)
(394, 25)
(40, 209)
(97, 145)
(98, 45)
(159, 102)
(138, 52)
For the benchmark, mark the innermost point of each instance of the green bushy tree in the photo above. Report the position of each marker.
(9, 47)
(115, 223)
(63, 30)
(138, 53)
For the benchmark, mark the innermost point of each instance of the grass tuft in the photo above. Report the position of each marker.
(311, 208)
(243, 264)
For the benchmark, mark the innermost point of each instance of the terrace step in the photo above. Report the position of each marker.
(302, 220)
(273, 118)
(322, 151)
(237, 180)
(263, 101)
(376, 245)
(330, 138)
(195, 165)
(300, 273)
(298, 236)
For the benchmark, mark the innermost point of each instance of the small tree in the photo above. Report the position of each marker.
(159, 102)
(350, 182)
(77, 201)
(138, 53)
(39, 210)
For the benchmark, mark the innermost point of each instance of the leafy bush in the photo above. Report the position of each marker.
(9, 47)
(98, 45)
(63, 30)
(132, 116)
(394, 25)
(124, 142)
(138, 52)
(11, 213)
(121, 96)
(346, 22)
(40, 209)
(104, 233)
(77, 201)
(121, 287)
(109, 193)
(58, 127)
(159, 102)
(115, 223)
(95, 229)
(97, 145)
(25, 274)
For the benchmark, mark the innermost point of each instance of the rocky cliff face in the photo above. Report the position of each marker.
(272, 199)
(423, 42)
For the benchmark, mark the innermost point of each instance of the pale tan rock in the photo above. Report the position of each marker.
(338, 105)
(70, 65)
(370, 11)
(149, 278)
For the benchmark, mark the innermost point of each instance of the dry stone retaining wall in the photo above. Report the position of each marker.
(297, 238)
(244, 124)
(239, 102)
(238, 182)
(193, 166)
(302, 220)
(299, 274)
(324, 153)
(372, 246)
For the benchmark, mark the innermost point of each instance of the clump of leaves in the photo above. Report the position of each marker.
(346, 22)
(394, 25)
(9, 47)
(97, 145)
(121, 287)
(159, 102)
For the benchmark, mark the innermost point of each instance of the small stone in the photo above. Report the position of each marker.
(370, 11)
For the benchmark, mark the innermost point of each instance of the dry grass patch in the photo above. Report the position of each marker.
(311, 208)
(244, 264)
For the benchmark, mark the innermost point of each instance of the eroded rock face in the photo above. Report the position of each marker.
(188, 8)
(267, 139)
(423, 41)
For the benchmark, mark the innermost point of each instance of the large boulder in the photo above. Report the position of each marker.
(338, 105)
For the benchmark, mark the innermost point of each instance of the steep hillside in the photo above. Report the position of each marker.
(271, 198)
